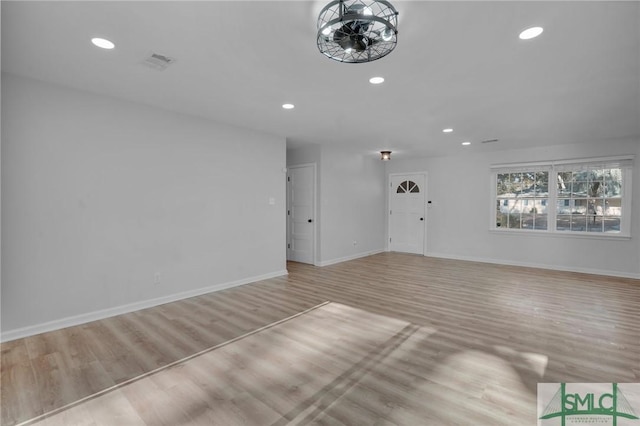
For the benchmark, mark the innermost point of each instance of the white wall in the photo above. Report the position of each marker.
(351, 200)
(100, 195)
(459, 181)
(352, 205)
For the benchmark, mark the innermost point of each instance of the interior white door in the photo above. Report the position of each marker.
(407, 213)
(301, 213)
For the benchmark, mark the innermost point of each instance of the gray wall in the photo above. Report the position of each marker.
(103, 198)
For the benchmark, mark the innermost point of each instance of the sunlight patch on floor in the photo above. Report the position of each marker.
(294, 371)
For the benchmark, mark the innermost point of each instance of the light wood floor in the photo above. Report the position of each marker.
(403, 340)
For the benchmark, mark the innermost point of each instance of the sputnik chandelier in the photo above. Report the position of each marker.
(357, 31)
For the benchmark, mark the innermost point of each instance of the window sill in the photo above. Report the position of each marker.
(563, 234)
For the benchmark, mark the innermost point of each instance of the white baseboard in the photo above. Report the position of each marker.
(347, 258)
(124, 309)
(537, 265)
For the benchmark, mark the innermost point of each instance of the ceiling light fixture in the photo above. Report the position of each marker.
(530, 33)
(466, 143)
(385, 155)
(447, 130)
(376, 80)
(288, 106)
(102, 43)
(357, 31)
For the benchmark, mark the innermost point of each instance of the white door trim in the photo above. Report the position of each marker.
(425, 176)
(314, 209)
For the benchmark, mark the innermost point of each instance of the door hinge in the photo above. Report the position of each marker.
(288, 213)
(389, 239)
(390, 211)
(288, 246)
(288, 178)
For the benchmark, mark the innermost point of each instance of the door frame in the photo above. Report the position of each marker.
(389, 195)
(314, 209)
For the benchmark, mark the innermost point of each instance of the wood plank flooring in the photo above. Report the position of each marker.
(404, 340)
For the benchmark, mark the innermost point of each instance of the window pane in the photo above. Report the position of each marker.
(564, 184)
(542, 184)
(580, 188)
(582, 175)
(579, 206)
(563, 223)
(538, 213)
(540, 221)
(507, 205)
(596, 207)
(611, 224)
(540, 207)
(514, 221)
(613, 182)
(578, 223)
(527, 221)
(522, 200)
(595, 188)
(514, 209)
(594, 224)
(613, 207)
(528, 184)
(515, 183)
(502, 184)
(564, 206)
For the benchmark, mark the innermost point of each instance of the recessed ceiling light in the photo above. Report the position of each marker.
(288, 106)
(530, 33)
(449, 130)
(466, 143)
(102, 43)
(376, 80)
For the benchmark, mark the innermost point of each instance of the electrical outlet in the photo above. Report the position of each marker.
(156, 278)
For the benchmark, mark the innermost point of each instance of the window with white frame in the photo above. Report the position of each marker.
(591, 196)
(522, 199)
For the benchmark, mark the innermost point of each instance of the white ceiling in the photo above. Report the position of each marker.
(457, 64)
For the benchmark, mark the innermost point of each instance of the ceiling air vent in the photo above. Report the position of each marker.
(489, 141)
(158, 62)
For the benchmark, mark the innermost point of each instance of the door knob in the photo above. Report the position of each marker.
(310, 220)
(422, 218)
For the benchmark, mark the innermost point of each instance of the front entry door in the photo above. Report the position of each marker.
(301, 213)
(407, 213)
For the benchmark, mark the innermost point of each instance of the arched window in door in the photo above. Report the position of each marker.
(408, 186)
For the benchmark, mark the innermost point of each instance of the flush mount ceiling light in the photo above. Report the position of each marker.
(449, 130)
(288, 106)
(357, 31)
(376, 80)
(385, 155)
(530, 33)
(466, 143)
(102, 43)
